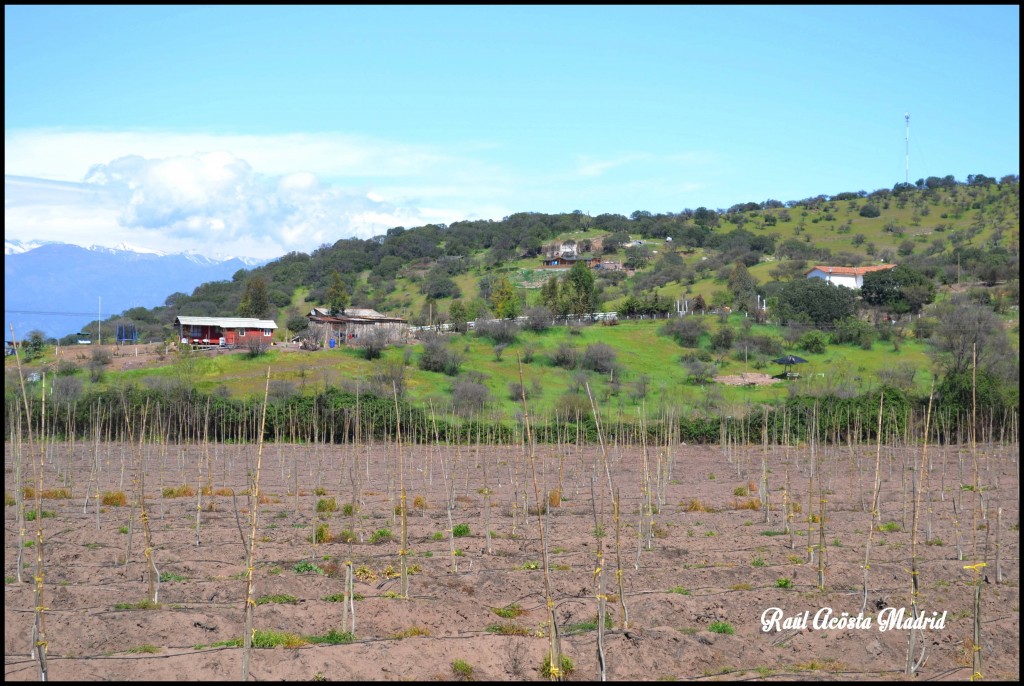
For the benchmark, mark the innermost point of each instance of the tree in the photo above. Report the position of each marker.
(549, 294)
(255, 300)
(504, 299)
(33, 347)
(743, 287)
(813, 300)
(579, 292)
(457, 316)
(899, 290)
(337, 295)
(637, 257)
(965, 326)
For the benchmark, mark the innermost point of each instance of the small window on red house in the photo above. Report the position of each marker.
(240, 332)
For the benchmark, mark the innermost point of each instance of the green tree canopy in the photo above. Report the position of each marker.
(337, 295)
(579, 293)
(813, 300)
(504, 299)
(255, 299)
(900, 290)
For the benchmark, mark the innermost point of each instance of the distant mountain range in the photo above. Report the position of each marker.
(58, 288)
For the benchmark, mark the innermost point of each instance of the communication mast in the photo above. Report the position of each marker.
(906, 178)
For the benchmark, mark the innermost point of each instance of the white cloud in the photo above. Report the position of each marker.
(263, 196)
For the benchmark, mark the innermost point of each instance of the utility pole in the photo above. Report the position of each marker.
(906, 177)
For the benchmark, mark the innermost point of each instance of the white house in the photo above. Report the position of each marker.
(851, 277)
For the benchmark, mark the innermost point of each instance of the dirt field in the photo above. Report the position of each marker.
(714, 566)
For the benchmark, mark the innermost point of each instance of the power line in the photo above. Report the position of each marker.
(61, 314)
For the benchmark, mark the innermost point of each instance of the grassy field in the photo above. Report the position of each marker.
(649, 372)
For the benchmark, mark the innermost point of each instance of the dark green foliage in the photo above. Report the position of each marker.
(814, 300)
(899, 290)
(578, 294)
(870, 210)
(813, 342)
(255, 300)
(647, 304)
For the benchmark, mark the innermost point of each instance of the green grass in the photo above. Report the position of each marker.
(460, 530)
(721, 628)
(890, 527)
(509, 611)
(279, 598)
(462, 670)
(146, 648)
(340, 597)
(30, 515)
(680, 590)
(303, 567)
(332, 637)
(507, 629)
(141, 605)
(783, 582)
(171, 576)
(581, 627)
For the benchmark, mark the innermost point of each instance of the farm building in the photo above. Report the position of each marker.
(851, 277)
(226, 331)
(353, 324)
(564, 261)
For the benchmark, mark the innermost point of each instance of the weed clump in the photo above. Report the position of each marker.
(113, 499)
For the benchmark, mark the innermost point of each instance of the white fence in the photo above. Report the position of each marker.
(558, 319)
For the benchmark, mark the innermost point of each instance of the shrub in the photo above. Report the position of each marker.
(783, 582)
(462, 670)
(183, 491)
(460, 530)
(439, 357)
(538, 319)
(548, 672)
(381, 536)
(686, 331)
(870, 210)
(303, 567)
(509, 611)
(326, 505)
(502, 331)
(322, 534)
(599, 357)
(813, 342)
(566, 356)
(114, 499)
(469, 396)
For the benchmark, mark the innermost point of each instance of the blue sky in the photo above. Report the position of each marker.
(254, 131)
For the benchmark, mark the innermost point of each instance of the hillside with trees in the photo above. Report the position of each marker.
(954, 291)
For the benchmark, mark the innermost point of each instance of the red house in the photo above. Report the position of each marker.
(225, 331)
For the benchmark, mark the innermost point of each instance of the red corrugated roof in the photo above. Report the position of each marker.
(850, 271)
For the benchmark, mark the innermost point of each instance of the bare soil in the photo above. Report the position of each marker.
(711, 561)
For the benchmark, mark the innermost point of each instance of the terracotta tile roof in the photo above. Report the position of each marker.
(850, 271)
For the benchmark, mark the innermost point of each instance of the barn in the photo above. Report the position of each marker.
(223, 331)
(352, 325)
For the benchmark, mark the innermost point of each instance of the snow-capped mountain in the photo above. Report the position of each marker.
(57, 288)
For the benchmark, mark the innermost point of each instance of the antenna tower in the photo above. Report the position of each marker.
(906, 177)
